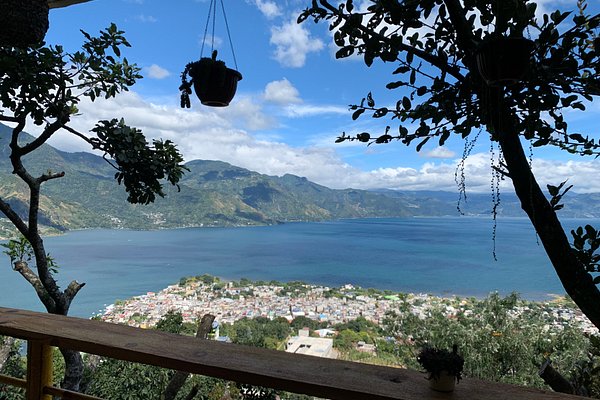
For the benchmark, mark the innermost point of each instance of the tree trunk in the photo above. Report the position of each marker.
(577, 282)
(6, 350)
(178, 380)
(73, 370)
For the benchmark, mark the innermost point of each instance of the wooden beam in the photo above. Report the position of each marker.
(326, 378)
(64, 3)
(39, 369)
(12, 381)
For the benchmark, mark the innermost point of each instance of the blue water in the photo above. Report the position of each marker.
(435, 255)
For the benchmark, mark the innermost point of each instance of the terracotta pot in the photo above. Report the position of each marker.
(444, 383)
(23, 22)
(504, 61)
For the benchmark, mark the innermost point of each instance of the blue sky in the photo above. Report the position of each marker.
(291, 104)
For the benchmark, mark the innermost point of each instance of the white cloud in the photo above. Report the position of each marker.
(270, 9)
(213, 41)
(146, 18)
(310, 110)
(292, 43)
(225, 134)
(156, 72)
(282, 92)
(440, 176)
(440, 152)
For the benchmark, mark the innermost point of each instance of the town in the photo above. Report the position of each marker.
(231, 301)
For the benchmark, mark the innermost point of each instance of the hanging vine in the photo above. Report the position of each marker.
(497, 176)
(459, 172)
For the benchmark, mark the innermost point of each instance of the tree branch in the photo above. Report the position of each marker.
(78, 134)
(8, 119)
(72, 290)
(47, 177)
(30, 276)
(178, 380)
(464, 35)
(425, 56)
(13, 217)
(40, 140)
(555, 380)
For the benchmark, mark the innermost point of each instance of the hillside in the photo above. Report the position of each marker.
(215, 193)
(212, 193)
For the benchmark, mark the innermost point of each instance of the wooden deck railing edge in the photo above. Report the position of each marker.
(326, 378)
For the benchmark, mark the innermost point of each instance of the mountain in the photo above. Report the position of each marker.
(582, 205)
(214, 193)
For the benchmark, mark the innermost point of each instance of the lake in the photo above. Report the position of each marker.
(442, 256)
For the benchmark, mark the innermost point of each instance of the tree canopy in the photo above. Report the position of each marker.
(442, 52)
(43, 85)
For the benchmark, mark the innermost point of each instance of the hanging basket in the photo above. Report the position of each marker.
(23, 22)
(214, 83)
(504, 61)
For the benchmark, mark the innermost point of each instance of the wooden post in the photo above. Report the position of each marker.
(39, 369)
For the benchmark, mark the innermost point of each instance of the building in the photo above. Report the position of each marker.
(310, 346)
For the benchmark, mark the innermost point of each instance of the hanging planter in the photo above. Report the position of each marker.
(23, 23)
(214, 83)
(504, 61)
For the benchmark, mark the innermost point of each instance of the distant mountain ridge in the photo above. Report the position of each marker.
(215, 193)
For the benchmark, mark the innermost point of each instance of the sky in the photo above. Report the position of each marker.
(291, 103)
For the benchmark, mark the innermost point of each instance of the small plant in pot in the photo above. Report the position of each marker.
(443, 366)
(504, 61)
(213, 82)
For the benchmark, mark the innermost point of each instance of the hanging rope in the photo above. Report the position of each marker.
(212, 14)
(210, 10)
(229, 35)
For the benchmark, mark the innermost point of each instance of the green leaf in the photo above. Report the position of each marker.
(349, 5)
(363, 137)
(401, 69)
(381, 112)
(383, 139)
(406, 103)
(344, 52)
(568, 100)
(394, 85)
(357, 113)
(420, 145)
(370, 101)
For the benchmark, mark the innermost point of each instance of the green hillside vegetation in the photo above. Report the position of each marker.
(212, 193)
(503, 339)
(215, 193)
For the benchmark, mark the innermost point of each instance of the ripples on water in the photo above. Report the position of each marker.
(435, 255)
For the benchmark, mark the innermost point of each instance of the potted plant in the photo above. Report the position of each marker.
(503, 61)
(444, 367)
(213, 82)
(23, 22)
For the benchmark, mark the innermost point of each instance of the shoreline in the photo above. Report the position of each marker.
(230, 301)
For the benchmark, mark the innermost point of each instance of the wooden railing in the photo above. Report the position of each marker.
(325, 378)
